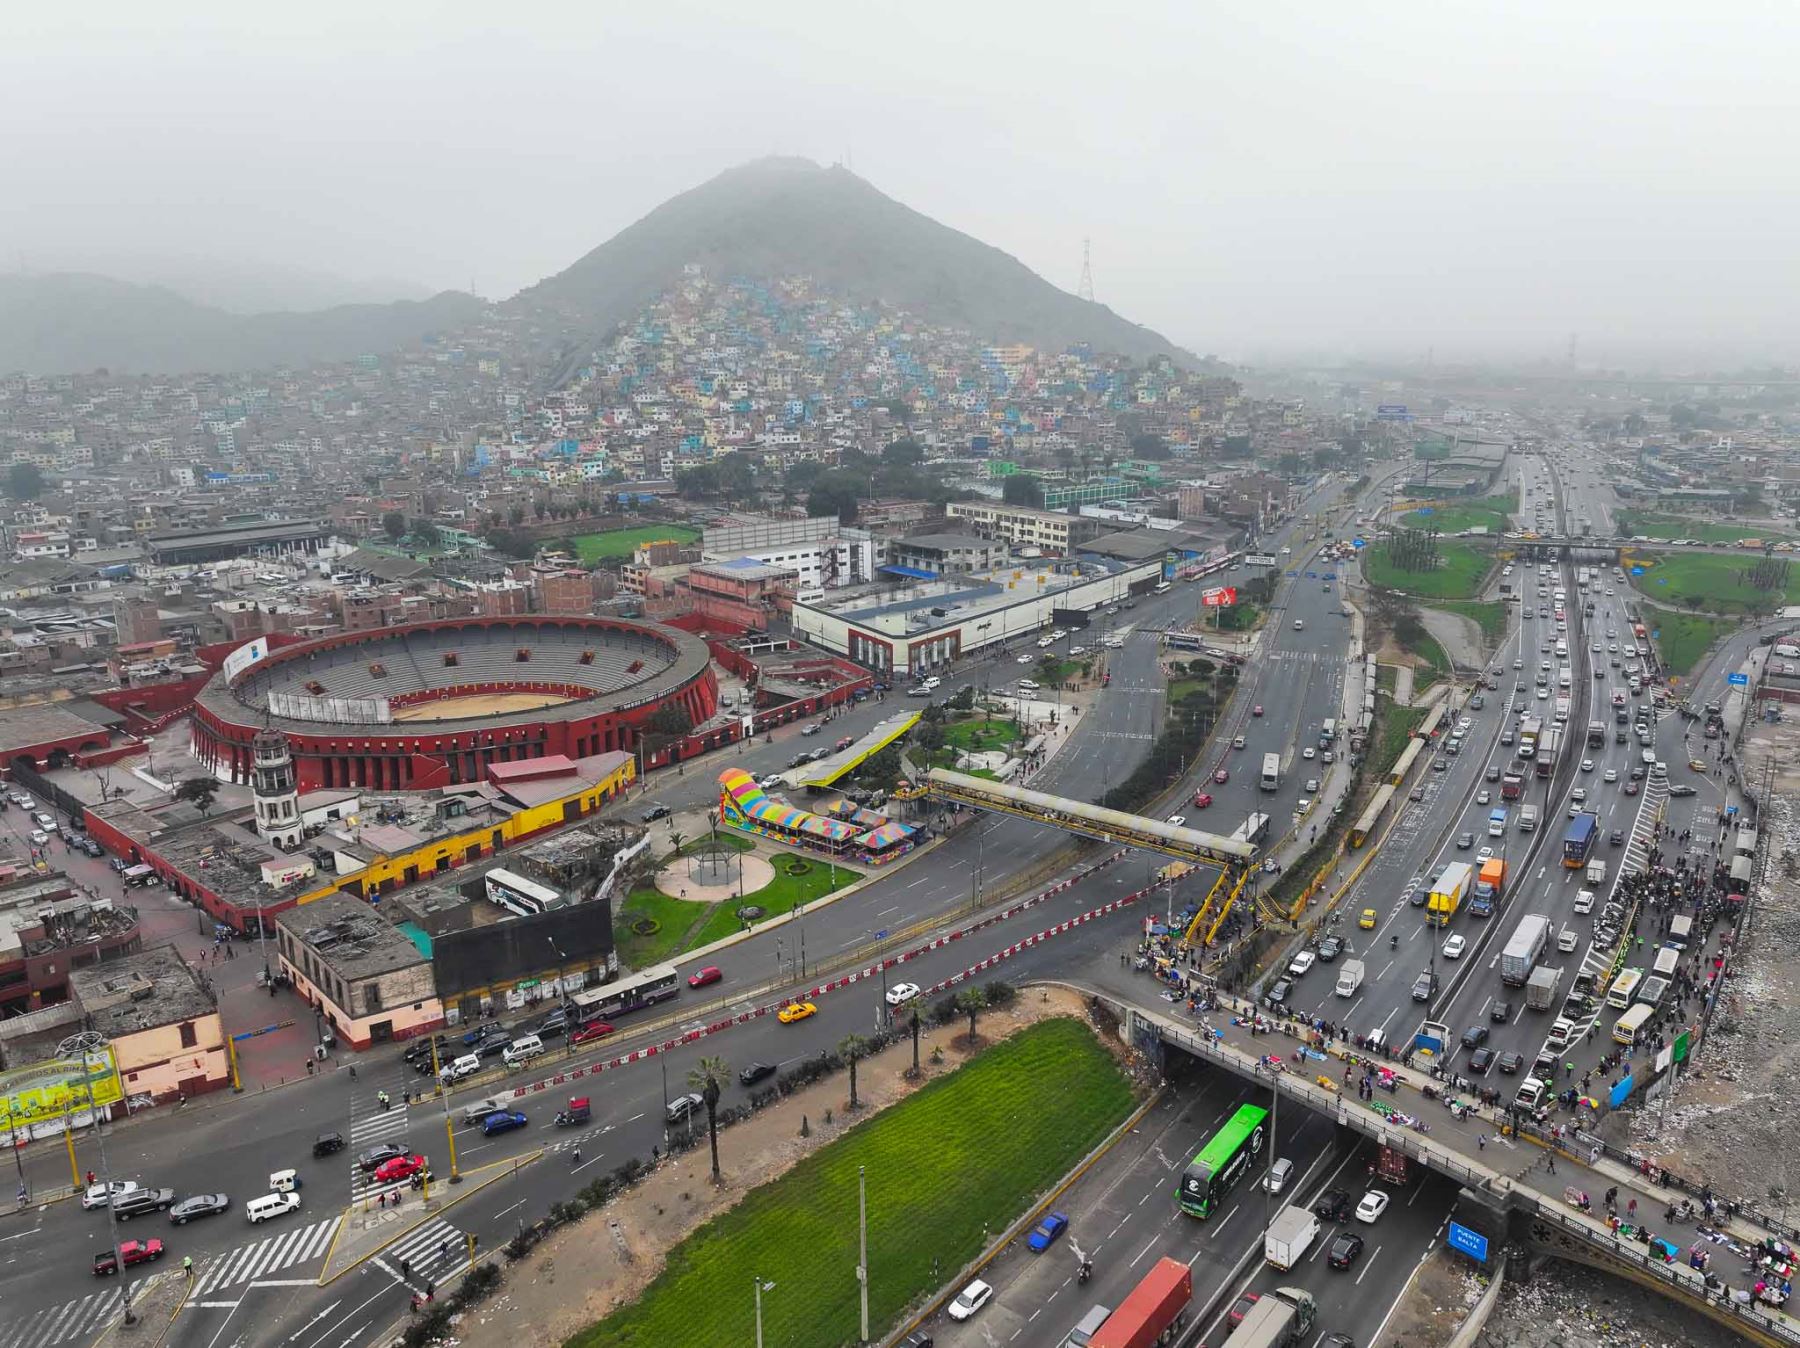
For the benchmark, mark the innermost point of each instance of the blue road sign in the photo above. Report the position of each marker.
(1465, 1241)
(1637, 570)
(1662, 580)
(1426, 510)
(1359, 542)
(1312, 575)
(1390, 407)
(1656, 634)
(1738, 680)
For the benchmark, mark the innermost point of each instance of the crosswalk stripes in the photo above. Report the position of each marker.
(432, 1253)
(379, 1126)
(261, 1258)
(57, 1324)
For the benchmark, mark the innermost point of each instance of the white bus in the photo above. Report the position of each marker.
(1253, 831)
(627, 994)
(1163, 587)
(1668, 959)
(1630, 1025)
(1271, 772)
(1624, 988)
(519, 896)
(1328, 731)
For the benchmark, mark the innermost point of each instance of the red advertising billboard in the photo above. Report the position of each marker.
(1223, 596)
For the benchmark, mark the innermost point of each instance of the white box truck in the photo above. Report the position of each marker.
(1350, 977)
(1596, 871)
(1291, 1234)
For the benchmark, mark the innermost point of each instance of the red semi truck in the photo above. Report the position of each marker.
(1153, 1308)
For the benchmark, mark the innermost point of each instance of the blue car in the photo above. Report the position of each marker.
(1046, 1231)
(501, 1121)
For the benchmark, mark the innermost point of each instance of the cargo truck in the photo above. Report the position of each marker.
(1497, 822)
(1489, 881)
(1522, 952)
(1584, 828)
(1156, 1305)
(1512, 786)
(1279, 1319)
(1289, 1237)
(1596, 734)
(1549, 745)
(1596, 871)
(1540, 988)
(1527, 818)
(1531, 729)
(1350, 977)
(1447, 893)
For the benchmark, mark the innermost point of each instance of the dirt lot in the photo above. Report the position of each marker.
(1732, 1122)
(587, 1270)
(1439, 1300)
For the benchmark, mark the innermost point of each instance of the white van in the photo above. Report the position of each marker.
(271, 1205)
(466, 1066)
(523, 1050)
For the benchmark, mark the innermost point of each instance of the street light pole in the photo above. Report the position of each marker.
(862, 1255)
(758, 1287)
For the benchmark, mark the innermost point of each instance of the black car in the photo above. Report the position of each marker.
(1330, 948)
(1511, 1063)
(419, 1051)
(552, 1024)
(327, 1143)
(1334, 1205)
(655, 812)
(479, 1032)
(200, 1205)
(1681, 789)
(1345, 1250)
(1419, 897)
(917, 1339)
(1279, 993)
(1425, 987)
(756, 1071)
(1480, 1060)
(375, 1155)
(1500, 1012)
(139, 1201)
(1475, 1036)
(1616, 837)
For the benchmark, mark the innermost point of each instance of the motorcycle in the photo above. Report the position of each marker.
(1087, 1271)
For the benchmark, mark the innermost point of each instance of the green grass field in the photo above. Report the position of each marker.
(684, 924)
(1653, 524)
(1397, 726)
(1460, 571)
(1490, 617)
(1493, 513)
(964, 1156)
(976, 736)
(1436, 664)
(1712, 582)
(620, 542)
(1685, 636)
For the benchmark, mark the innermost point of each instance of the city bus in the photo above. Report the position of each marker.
(1253, 831)
(519, 896)
(1163, 587)
(1271, 772)
(1619, 995)
(1328, 731)
(1365, 825)
(628, 994)
(1630, 1025)
(1668, 959)
(1222, 1162)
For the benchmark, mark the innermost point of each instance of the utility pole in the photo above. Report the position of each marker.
(862, 1248)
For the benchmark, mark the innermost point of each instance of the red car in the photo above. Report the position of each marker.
(1202, 799)
(594, 1029)
(701, 977)
(1222, 776)
(133, 1251)
(1256, 710)
(401, 1167)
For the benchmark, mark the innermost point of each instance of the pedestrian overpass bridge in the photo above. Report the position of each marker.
(1505, 1196)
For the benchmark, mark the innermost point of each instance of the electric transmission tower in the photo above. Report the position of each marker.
(1086, 288)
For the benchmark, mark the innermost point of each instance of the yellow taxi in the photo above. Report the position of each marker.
(1367, 920)
(794, 1011)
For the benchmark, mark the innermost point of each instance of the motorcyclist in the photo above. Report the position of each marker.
(1394, 941)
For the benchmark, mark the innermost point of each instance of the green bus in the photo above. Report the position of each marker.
(1231, 1152)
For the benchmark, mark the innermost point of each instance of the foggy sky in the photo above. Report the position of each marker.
(1258, 179)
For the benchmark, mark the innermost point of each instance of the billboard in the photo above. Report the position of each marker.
(48, 1090)
(243, 657)
(1223, 596)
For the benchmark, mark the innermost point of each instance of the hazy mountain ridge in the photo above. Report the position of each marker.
(71, 321)
(789, 217)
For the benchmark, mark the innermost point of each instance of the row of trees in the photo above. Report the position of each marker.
(1414, 550)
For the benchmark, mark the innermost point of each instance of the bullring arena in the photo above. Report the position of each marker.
(435, 704)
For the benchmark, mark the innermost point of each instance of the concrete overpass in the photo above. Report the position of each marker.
(1505, 1196)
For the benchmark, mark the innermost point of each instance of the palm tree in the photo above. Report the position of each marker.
(912, 1025)
(853, 1048)
(971, 1001)
(704, 1077)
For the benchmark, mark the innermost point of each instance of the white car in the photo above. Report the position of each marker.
(1373, 1204)
(1610, 775)
(1578, 795)
(1485, 854)
(39, 837)
(1543, 693)
(99, 1195)
(1454, 947)
(1177, 820)
(1584, 900)
(971, 1299)
(902, 993)
(1022, 660)
(1587, 765)
(1482, 797)
(1302, 962)
(1309, 753)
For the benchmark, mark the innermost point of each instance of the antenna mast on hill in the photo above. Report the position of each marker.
(1086, 288)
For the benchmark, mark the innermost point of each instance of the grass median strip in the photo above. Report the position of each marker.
(957, 1161)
